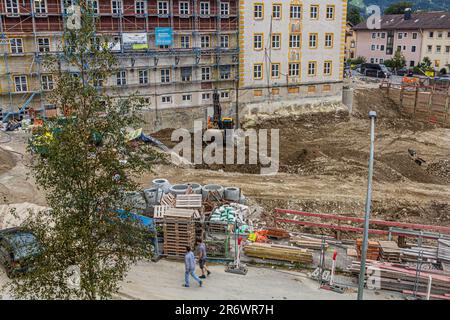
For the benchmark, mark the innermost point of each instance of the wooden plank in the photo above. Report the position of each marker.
(188, 201)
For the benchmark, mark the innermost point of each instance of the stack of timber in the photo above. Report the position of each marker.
(414, 253)
(308, 243)
(188, 201)
(443, 252)
(396, 277)
(373, 249)
(389, 251)
(179, 231)
(278, 252)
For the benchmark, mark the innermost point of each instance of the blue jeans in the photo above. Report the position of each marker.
(192, 273)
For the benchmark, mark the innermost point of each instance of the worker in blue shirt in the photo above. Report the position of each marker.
(189, 264)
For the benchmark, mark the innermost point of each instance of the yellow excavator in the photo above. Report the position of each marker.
(217, 121)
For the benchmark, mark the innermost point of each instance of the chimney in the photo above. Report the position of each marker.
(407, 14)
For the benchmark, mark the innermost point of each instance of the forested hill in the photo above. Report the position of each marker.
(429, 5)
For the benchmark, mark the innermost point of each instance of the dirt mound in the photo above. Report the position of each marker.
(7, 161)
(440, 169)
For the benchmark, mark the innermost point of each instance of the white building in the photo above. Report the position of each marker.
(291, 49)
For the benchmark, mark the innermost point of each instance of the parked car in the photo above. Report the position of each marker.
(375, 70)
(18, 247)
(404, 72)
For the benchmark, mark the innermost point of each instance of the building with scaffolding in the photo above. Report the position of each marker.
(174, 53)
(291, 49)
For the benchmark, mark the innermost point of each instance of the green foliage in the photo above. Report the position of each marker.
(357, 60)
(398, 7)
(87, 167)
(397, 62)
(354, 15)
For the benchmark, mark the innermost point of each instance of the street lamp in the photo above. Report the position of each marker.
(362, 271)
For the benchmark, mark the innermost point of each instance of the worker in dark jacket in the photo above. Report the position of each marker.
(189, 264)
(202, 258)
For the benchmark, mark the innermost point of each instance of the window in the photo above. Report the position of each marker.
(405, 35)
(224, 95)
(312, 68)
(224, 8)
(411, 63)
(16, 45)
(330, 12)
(12, 6)
(276, 41)
(205, 41)
(93, 4)
(163, 7)
(294, 41)
(294, 69)
(438, 49)
(400, 35)
(185, 42)
(413, 49)
(381, 60)
(206, 73)
(21, 83)
(186, 74)
(43, 44)
(47, 82)
(257, 41)
(313, 40)
(257, 71)
(314, 11)
(184, 8)
(139, 7)
(276, 11)
(121, 78)
(429, 49)
(275, 70)
(439, 35)
(225, 72)
(40, 6)
(372, 60)
(383, 35)
(447, 49)
(166, 99)
(98, 81)
(327, 68)
(374, 35)
(414, 35)
(372, 47)
(258, 11)
(165, 75)
(295, 11)
(206, 96)
(431, 34)
(117, 7)
(143, 76)
(328, 40)
(204, 9)
(224, 41)
(382, 47)
(186, 97)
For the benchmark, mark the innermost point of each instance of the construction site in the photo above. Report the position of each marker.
(301, 226)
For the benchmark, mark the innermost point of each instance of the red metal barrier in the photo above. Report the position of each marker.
(361, 220)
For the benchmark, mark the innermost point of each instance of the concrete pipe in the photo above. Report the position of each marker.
(196, 187)
(163, 184)
(153, 195)
(347, 98)
(232, 193)
(212, 187)
(178, 189)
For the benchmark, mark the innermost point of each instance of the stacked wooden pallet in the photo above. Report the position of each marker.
(395, 277)
(179, 231)
(308, 242)
(373, 249)
(389, 251)
(278, 252)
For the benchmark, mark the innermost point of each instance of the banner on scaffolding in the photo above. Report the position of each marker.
(163, 36)
(135, 41)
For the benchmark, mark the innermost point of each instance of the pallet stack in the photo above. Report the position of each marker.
(278, 252)
(373, 249)
(389, 251)
(179, 231)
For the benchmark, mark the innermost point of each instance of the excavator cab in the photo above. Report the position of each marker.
(217, 121)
